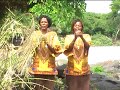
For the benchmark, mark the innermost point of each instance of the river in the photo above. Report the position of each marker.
(97, 54)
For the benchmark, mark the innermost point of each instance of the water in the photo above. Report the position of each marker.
(103, 53)
(96, 54)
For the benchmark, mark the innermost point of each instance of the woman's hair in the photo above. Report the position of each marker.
(74, 22)
(48, 19)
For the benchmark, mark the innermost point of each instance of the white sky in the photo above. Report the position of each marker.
(98, 6)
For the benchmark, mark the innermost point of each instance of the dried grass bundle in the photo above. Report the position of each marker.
(14, 63)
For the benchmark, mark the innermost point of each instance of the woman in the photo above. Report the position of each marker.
(76, 48)
(47, 47)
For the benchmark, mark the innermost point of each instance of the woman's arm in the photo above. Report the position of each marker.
(70, 46)
(51, 49)
(86, 44)
(55, 47)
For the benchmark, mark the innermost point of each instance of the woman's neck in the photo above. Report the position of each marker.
(44, 31)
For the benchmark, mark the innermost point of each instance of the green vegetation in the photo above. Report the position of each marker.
(101, 40)
(61, 11)
(98, 69)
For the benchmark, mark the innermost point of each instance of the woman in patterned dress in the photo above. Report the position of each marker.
(76, 49)
(47, 48)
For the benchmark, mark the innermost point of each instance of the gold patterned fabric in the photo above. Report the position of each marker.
(44, 59)
(78, 57)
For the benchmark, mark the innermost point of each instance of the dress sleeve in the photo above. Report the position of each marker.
(87, 38)
(56, 45)
(68, 40)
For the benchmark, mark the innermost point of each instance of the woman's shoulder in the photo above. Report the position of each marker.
(36, 32)
(86, 35)
(50, 32)
(70, 35)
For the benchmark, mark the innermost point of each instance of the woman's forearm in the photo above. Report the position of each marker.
(51, 49)
(85, 43)
(70, 46)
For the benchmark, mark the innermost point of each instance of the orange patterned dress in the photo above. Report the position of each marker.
(44, 61)
(78, 57)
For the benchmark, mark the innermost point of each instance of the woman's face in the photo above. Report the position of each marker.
(43, 24)
(77, 27)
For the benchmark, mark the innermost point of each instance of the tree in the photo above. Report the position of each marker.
(115, 6)
(95, 23)
(61, 11)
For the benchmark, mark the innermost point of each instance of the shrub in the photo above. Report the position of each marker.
(97, 69)
(101, 40)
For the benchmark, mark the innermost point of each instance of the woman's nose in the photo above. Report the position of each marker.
(43, 24)
(77, 27)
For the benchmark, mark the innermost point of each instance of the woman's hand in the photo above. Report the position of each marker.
(78, 33)
(44, 38)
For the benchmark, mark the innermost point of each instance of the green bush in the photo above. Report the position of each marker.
(101, 40)
(97, 69)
